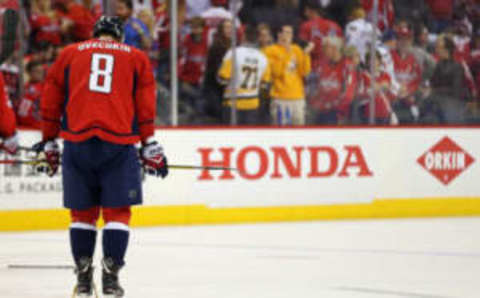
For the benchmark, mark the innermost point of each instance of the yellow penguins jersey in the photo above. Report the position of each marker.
(252, 69)
(289, 69)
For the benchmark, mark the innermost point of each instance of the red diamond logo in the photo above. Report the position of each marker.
(446, 160)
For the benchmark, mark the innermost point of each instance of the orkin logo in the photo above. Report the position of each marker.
(323, 162)
(446, 160)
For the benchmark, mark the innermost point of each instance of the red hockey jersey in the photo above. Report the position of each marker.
(193, 59)
(314, 31)
(28, 113)
(7, 116)
(383, 95)
(408, 72)
(337, 83)
(99, 88)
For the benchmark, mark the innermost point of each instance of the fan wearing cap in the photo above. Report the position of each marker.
(408, 74)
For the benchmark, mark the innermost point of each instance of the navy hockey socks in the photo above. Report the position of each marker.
(82, 240)
(115, 241)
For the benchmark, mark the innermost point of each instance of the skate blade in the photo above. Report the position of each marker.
(113, 296)
(94, 295)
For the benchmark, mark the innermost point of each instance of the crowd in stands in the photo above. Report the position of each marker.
(329, 64)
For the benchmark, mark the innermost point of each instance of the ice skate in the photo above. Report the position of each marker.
(85, 287)
(111, 286)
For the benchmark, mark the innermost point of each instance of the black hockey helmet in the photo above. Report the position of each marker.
(109, 25)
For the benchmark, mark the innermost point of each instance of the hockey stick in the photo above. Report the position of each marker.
(187, 167)
(20, 162)
(39, 266)
(175, 167)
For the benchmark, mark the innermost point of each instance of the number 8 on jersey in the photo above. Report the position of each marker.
(101, 73)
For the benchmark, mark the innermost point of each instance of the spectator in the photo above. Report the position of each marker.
(446, 105)
(212, 89)
(139, 5)
(386, 13)
(253, 72)
(383, 112)
(424, 39)
(82, 16)
(337, 83)
(146, 17)
(462, 39)
(408, 74)
(359, 32)
(315, 29)
(442, 12)
(45, 23)
(419, 50)
(290, 65)
(265, 38)
(11, 75)
(28, 113)
(136, 32)
(215, 15)
(161, 38)
(193, 58)
(44, 52)
(475, 59)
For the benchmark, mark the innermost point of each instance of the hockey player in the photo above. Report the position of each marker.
(253, 72)
(7, 122)
(99, 97)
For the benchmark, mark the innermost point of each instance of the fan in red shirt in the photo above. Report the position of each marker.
(383, 112)
(194, 53)
(46, 23)
(315, 29)
(408, 74)
(83, 16)
(28, 113)
(337, 83)
(386, 13)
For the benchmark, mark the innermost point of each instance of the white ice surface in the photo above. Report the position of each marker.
(423, 258)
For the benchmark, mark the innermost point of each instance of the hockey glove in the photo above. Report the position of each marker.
(10, 145)
(48, 153)
(154, 161)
